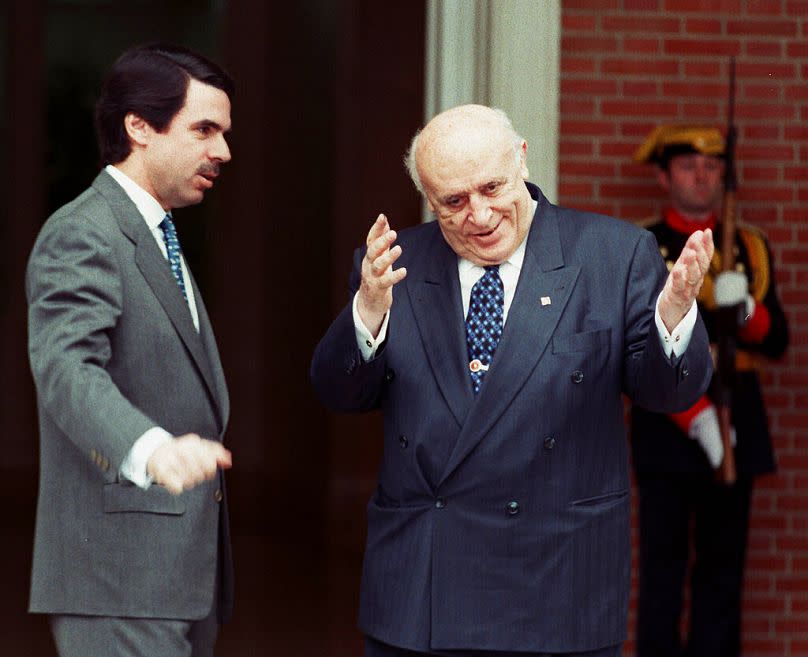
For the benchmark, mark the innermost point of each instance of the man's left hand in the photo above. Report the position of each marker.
(685, 279)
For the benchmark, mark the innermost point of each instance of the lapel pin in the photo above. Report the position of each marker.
(545, 301)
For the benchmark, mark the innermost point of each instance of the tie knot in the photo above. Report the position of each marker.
(494, 268)
(167, 226)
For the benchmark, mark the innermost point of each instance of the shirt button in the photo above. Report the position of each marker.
(440, 503)
(368, 343)
(218, 495)
(403, 441)
(577, 376)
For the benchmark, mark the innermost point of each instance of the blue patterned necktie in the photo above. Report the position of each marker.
(484, 323)
(173, 250)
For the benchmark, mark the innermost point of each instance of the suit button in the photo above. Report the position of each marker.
(684, 372)
(512, 507)
(389, 375)
(104, 464)
(577, 376)
(218, 495)
(549, 443)
(402, 440)
(440, 503)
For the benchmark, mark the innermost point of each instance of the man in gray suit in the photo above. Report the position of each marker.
(131, 554)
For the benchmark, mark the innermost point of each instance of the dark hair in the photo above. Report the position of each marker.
(150, 81)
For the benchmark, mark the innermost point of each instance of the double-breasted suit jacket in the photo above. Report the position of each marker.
(114, 352)
(501, 520)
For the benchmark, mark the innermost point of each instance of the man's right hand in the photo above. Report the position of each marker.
(375, 296)
(187, 461)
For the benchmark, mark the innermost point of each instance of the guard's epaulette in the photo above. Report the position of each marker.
(754, 240)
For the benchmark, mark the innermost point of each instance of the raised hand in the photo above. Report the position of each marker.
(686, 278)
(375, 296)
(187, 461)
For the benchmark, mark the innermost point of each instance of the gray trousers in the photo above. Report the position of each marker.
(102, 636)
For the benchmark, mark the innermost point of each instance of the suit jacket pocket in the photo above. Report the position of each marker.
(586, 341)
(600, 501)
(128, 498)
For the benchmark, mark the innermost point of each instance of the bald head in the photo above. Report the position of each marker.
(470, 165)
(457, 131)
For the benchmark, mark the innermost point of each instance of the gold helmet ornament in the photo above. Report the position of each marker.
(665, 141)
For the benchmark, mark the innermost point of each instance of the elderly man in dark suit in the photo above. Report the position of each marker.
(131, 554)
(498, 354)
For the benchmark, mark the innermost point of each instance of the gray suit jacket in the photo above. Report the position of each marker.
(114, 352)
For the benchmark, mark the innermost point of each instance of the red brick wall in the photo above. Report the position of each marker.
(627, 65)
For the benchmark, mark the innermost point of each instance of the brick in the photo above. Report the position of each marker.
(640, 67)
(773, 70)
(773, 152)
(611, 190)
(596, 5)
(757, 173)
(794, 420)
(797, 8)
(569, 148)
(571, 22)
(760, 131)
(643, 24)
(641, 5)
(766, 28)
(588, 168)
(640, 88)
(694, 89)
(577, 64)
(618, 149)
(589, 86)
(701, 111)
(797, 92)
(797, 174)
(588, 43)
(770, 7)
(763, 48)
(592, 128)
(768, 193)
(633, 108)
(701, 47)
(797, 49)
(576, 190)
(709, 69)
(771, 111)
(796, 215)
(765, 91)
(707, 6)
(641, 46)
(576, 105)
(703, 26)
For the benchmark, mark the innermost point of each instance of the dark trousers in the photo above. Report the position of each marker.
(375, 648)
(719, 516)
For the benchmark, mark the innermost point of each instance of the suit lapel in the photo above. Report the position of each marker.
(543, 290)
(155, 270)
(436, 303)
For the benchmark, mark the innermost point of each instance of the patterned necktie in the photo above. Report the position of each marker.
(173, 250)
(484, 323)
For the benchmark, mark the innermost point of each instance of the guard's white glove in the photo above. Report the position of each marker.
(732, 288)
(704, 429)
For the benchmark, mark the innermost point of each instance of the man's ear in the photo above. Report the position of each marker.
(523, 161)
(137, 129)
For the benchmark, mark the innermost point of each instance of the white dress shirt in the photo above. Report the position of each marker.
(133, 467)
(674, 342)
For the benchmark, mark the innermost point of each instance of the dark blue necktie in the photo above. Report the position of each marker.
(173, 251)
(484, 323)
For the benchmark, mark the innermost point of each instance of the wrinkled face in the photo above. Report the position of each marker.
(473, 180)
(694, 183)
(183, 161)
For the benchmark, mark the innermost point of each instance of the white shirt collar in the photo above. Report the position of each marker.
(146, 204)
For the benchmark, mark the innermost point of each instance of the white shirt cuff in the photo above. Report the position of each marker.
(675, 343)
(134, 465)
(368, 345)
